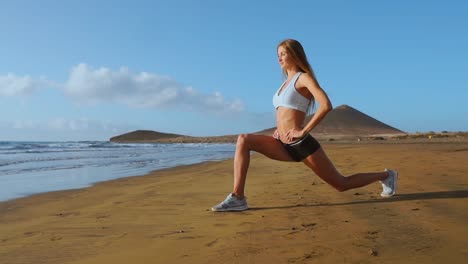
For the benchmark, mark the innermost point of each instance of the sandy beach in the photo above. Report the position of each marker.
(294, 216)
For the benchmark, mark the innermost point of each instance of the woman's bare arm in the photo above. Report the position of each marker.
(324, 106)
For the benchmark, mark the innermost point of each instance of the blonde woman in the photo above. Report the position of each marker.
(291, 141)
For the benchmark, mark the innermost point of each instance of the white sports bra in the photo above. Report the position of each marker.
(290, 97)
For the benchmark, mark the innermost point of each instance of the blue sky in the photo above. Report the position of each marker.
(89, 70)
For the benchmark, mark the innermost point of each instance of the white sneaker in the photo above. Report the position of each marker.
(231, 203)
(389, 185)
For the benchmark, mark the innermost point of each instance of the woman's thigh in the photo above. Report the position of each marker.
(267, 145)
(323, 167)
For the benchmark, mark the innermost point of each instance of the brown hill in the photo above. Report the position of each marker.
(347, 121)
(342, 122)
(143, 136)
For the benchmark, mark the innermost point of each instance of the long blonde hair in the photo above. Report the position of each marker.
(298, 56)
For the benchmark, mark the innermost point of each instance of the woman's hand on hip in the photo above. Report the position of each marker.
(294, 134)
(276, 134)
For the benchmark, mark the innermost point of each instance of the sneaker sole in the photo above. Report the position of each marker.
(394, 189)
(233, 209)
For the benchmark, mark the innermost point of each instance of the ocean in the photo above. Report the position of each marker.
(28, 168)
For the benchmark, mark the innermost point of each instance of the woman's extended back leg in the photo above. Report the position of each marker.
(324, 168)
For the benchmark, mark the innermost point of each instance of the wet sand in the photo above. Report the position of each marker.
(294, 216)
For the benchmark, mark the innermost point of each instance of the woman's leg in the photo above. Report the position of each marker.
(324, 168)
(266, 145)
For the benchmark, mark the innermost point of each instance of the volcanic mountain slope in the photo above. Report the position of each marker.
(341, 122)
(143, 136)
(345, 120)
(148, 136)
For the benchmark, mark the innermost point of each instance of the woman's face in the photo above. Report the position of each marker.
(283, 58)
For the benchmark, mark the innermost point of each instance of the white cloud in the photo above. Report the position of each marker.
(80, 125)
(71, 124)
(138, 90)
(25, 124)
(13, 85)
(62, 124)
(141, 90)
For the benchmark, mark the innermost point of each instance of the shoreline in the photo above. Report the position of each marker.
(31, 196)
(294, 217)
(341, 138)
(31, 168)
(322, 141)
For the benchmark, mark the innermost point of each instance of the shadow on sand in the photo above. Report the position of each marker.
(396, 198)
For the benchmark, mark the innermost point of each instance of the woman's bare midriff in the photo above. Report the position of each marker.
(288, 119)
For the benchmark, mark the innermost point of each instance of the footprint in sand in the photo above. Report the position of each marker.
(305, 257)
(56, 238)
(66, 214)
(372, 235)
(423, 249)
(102, 216)
(210, 244)
(309, 226)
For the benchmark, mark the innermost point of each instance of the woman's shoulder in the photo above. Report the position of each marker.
(305, 76)
(307, 80)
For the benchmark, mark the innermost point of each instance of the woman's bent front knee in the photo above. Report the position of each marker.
(242, 140)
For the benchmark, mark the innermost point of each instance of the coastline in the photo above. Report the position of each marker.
(164, 217)
(34, 167)
(338, 138)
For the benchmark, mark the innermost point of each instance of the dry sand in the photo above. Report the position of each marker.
(164, 217)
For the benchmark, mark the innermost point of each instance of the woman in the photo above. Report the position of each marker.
(291, 141)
